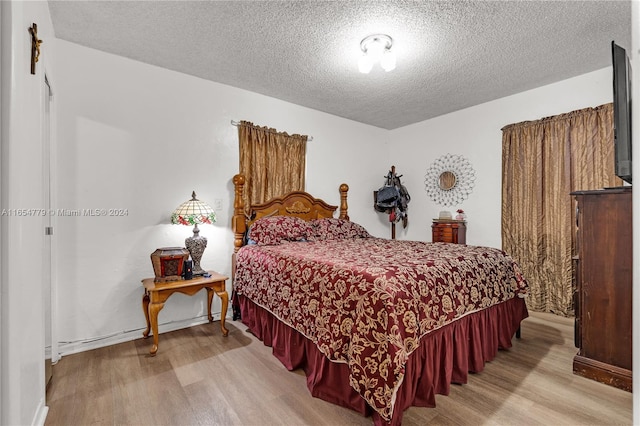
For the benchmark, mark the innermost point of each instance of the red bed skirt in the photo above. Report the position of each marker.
(444, 356)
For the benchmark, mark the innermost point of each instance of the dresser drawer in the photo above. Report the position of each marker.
(443, 232)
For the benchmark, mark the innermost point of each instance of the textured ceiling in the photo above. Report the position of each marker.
(451, 54)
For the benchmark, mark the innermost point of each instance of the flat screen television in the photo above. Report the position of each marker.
(622, 112)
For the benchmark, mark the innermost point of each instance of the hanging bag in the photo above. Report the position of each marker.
(387, 197)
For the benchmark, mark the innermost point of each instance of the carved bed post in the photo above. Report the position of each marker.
(344, 188)
(239, 226)
(239, 221)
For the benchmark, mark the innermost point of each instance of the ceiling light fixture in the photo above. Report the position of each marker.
(376, 48)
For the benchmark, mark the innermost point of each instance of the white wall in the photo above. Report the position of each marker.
(141, 138)
(21, 187)
(475, 134)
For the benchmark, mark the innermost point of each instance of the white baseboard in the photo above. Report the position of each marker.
(41, 414)
(126, 336)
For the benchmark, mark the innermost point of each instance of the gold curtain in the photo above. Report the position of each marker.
(542, 162)
(272, 162)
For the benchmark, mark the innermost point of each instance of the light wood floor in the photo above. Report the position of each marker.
(201, 378)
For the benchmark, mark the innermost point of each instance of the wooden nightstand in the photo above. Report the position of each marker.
(155, 294)
(449, 231)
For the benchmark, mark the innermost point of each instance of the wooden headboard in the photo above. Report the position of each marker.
(297, 203)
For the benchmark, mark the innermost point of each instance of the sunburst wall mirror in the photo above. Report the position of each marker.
(449, 180)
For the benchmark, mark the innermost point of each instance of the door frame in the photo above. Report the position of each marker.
(48, 99)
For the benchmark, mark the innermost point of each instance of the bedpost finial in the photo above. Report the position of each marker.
(238, 179)
(344, 188)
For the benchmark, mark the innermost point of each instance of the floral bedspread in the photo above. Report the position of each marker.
(368, 301)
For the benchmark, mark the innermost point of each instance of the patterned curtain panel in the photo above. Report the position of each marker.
(542, 162)
(272, 162)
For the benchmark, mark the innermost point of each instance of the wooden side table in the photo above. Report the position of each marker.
(449, 231)
(156, 294)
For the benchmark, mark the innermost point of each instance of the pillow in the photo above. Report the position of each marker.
(273, 230)
(337, 229)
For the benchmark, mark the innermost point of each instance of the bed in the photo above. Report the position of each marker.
(377, 325)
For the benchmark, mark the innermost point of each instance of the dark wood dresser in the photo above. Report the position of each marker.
(602, 271)
(449, 231)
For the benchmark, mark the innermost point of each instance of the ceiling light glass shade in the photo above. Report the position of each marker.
(388, 61)
(376, 48)
(365, 64)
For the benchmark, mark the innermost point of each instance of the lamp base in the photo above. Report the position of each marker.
(196, 246)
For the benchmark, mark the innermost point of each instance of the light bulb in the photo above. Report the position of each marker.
(388, 60)
(365, 64)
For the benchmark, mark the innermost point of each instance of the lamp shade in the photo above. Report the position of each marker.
(193, 212)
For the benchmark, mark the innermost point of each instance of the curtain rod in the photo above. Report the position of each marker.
(235, 123)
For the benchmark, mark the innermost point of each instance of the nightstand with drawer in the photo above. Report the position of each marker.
(449, 231)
